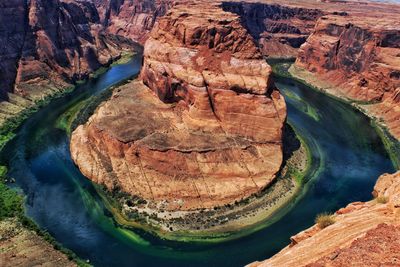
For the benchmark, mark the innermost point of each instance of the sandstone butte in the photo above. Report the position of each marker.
(205, 127)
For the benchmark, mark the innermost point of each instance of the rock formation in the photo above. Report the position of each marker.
(279, 29)
(22, 247)
(211, 135)
(57, 41)
(47, 46)
(358, 58)
(134, 18)
(365, 234)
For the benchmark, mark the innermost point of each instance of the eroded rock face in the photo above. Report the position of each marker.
(211, 135)
(365, 234)
(13, 16)
(359, 58)
(278, 29)
(134, 18)
(50, 44)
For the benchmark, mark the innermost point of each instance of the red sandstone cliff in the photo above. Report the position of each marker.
(133, 18)
(278, 29)
(47, 45)
(211, 135)
(358, 58)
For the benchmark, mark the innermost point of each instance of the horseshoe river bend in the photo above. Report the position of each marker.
(346, 153)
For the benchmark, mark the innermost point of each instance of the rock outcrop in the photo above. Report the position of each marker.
(358, 58)
(365, 234)
(22, 247)
(57, 41)
(278, 29)
(207, 130)
(133, 19)
(47, 46)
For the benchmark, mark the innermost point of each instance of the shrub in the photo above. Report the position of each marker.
(381, 200)
(11, 203)
(324, 220)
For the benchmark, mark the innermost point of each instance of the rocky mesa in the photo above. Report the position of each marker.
(203, 129)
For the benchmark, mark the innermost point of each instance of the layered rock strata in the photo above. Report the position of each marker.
(46, 46)
(358, 59)
(206, 131)
(365, 234)
(278, 29)
(134, 18)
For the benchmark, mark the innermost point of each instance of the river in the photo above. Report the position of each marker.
(348, 156)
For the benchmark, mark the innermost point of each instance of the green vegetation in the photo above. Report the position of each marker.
(97, 73)
(381, 200)
(391, 144)
(66, 120)
(11, 203)
(293, 171)
(323, 220)
(8, 128)
(126, 56)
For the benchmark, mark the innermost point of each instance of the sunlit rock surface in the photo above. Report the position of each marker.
(207, 129)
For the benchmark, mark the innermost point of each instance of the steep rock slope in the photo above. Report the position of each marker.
(12, 34)
(359, 59)
(279, 29)
(213, 133)
(365, 234)
(50, 40)
(133, 18)
(46, 46)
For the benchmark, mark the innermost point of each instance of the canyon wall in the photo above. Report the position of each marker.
(49, 45)
(13, 16)
(133, 19)
(46, 47)
(55, 42)
(358, 59)
(364, 233)
(278, 29)
(207, 129)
